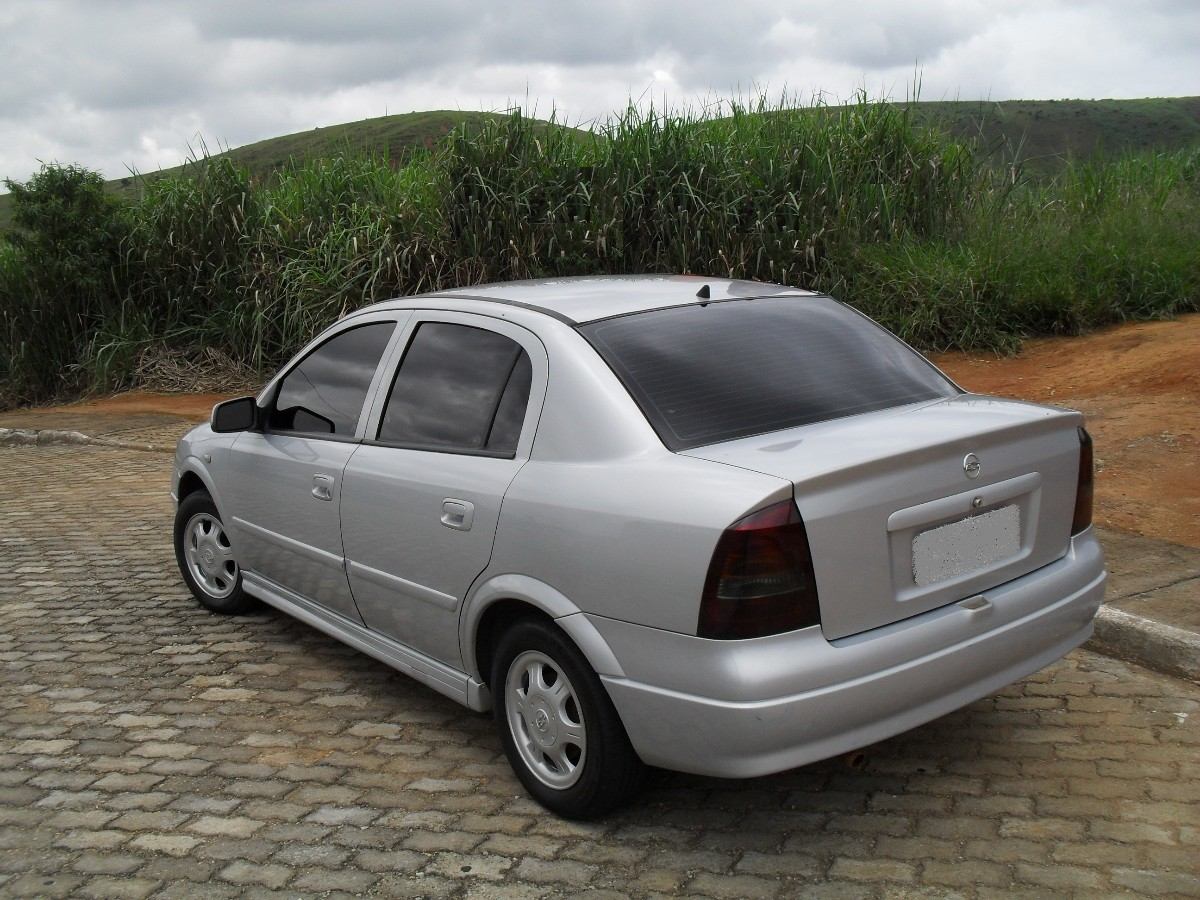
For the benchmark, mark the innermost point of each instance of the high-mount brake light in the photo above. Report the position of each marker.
(760, 580)
(1086, 486)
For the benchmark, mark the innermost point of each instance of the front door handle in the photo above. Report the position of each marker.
(322, 487)
(458, 514)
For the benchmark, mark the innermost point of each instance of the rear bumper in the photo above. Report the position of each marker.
(748, 708)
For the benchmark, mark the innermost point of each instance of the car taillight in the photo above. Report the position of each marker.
(1086, 485)
(760, 580)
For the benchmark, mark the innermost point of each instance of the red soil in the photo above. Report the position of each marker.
(1139, 386)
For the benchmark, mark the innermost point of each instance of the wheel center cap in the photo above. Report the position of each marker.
(541, 723)
(208, 556)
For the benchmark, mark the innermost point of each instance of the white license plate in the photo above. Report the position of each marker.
(959, 548)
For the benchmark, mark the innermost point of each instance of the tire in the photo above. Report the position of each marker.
(567, 745)
(206, 558)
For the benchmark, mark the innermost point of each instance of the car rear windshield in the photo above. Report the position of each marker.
(714, 372)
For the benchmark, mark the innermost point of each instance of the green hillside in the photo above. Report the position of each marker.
(1041, 131)
(393, 136)
(1053, 129)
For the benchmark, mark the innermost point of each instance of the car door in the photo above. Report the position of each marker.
(286, 477)
(421, 496)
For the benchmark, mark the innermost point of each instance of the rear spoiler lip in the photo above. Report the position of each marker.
(740, 453)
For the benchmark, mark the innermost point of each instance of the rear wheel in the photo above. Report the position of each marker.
(559, 729)
(206, 558)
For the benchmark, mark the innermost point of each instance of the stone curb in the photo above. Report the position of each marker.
(1154, 645)
(25, 436)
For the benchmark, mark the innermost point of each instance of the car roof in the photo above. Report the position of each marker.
(583, 299)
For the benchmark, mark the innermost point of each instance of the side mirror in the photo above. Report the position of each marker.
(235, 415)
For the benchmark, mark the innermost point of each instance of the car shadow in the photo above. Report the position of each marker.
(896, 788)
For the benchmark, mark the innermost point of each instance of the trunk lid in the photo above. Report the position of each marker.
(897, 522)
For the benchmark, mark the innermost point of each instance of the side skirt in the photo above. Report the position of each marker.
(442, 678)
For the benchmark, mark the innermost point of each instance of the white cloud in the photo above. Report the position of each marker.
(116, 84)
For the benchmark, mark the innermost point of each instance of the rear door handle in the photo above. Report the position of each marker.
(458, 514)
(975, 605)
(322, 487)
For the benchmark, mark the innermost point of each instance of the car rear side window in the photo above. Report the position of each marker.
(714, 372)
(458, 389)
(324, 394)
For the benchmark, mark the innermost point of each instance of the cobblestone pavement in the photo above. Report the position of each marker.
(148, 748)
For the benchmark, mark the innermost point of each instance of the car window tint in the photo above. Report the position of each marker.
(324, 394)
(450, 387)
(714, 372)
(510, 415)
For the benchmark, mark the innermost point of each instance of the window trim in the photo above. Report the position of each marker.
(429, 448)
(270, 393)
(314, 435)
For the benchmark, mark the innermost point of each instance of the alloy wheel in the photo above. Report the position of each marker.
(545, 719)
(210, 556)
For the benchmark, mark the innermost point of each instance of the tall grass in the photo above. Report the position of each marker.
(1099, 242)
(751, 192)
(898, 220)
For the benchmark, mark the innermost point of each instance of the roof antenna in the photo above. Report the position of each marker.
(704, 293)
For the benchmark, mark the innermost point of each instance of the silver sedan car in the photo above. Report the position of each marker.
(716, 526)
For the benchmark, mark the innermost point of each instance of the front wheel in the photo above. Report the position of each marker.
(206, 558)
(559, 729)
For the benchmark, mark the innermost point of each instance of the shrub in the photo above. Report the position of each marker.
(59, 278)
(894, 218)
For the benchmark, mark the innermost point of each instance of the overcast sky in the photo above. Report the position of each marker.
(119, 83)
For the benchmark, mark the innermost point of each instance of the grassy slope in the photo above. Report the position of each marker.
(1046, 129)
(392, 136)
(1042, 129)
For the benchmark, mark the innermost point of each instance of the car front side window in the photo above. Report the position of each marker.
(324, 394)
(458, 389)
